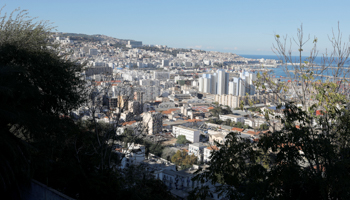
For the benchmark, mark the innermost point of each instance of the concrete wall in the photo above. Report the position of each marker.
(39, 191)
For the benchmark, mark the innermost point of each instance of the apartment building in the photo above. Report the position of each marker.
(191, 134)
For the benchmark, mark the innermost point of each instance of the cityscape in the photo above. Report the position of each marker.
(92, 116)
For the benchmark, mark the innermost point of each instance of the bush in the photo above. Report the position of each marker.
(181, 139)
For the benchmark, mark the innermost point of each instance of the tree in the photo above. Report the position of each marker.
(264, 126)
(227, 122)
(181, 158)
(235, 165)
(39, 138)
(38, 90)
(181, 139)
(168, 153)
(239, 125)
(309, 158)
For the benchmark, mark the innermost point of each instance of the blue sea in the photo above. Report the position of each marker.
(279, 71)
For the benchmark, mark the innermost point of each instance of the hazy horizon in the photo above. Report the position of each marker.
(242, 27)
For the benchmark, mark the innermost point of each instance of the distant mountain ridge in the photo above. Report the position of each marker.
(92, 38)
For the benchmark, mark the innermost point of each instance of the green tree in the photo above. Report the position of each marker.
(38, 90)
(182, 159)
(227, 122)
(181, 139)
(264, 127)
(239, 125)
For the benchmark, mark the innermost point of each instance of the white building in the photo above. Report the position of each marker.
(254, 122)
(234, 118)
(221, 89)
(134, 155)
(191, 134)
(153, 122)
(237, 87)
(134, 44)
(201, 84)
(197, 150)
(207, 153)
(207, 85)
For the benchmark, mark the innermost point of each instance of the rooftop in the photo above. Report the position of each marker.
(198, 144)
(237, 129)
(128, 123)
(166, 112)
(215, 148)
(184, 127)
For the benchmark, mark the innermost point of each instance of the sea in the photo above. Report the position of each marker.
(280, 72)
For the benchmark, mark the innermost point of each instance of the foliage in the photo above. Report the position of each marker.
(38, 137)
(168, 153)
(227, 122)
(219, 110)
(239, 125)
(254, 109)
(264, 127)
(181, 139)
(181, 158)
(235, 166)
(151, 147)
(38, 89)
(156, 149)
(309, 158)
(215, 121)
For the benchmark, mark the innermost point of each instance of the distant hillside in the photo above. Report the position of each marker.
(94, 38)
(121, 43)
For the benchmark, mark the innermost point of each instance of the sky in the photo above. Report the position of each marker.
(237, 26)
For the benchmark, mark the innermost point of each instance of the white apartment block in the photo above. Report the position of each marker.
(191, 134)
(201, 84)
(197, 150)
(234, 118)
(234, 101)
(254, 122)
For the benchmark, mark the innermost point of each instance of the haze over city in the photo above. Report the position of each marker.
(241, 27)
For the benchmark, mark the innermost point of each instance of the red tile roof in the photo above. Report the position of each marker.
(194, 120)
(166, 112)
(237, 129)
(128, 123)
(253, 132)
(215, 148)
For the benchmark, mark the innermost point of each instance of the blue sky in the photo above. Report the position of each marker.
(237, 26)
